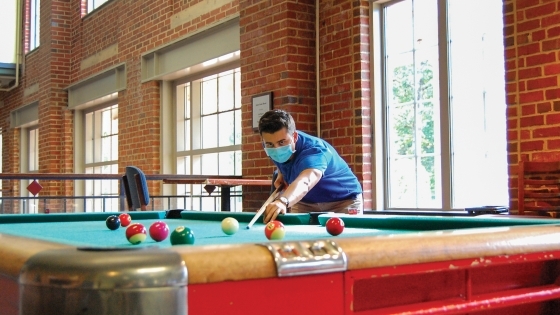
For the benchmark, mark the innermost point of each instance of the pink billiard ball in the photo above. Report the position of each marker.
(335, 226)
(136, 233)
(159, 231)
(274, 230)
(125, 219)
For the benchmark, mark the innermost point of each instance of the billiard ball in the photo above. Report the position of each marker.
(182, 236)
(125, 219)
(136, 233)
(335, 226)
(274, 230)
(159, 231)
(230, 226)
(113, 222)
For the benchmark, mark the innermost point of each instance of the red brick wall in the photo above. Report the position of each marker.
(277, 55)
(68, 37)
(345, 85)
(532, 40)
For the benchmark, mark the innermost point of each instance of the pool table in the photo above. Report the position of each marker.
(72, 264)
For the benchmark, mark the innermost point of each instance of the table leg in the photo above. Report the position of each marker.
(225, 198)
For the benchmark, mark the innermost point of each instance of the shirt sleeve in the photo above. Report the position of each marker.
(317, 157)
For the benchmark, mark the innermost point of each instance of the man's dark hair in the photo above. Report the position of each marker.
(276, 119)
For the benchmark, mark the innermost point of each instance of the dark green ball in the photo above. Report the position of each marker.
(182, 236)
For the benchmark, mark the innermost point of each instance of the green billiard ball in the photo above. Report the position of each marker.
(182, 236)
(230, 226)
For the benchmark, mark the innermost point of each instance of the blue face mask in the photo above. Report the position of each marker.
(281, 154)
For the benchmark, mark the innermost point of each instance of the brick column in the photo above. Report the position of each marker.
(277, 55)
(532, 41)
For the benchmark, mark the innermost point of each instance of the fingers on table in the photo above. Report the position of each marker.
(271, 213)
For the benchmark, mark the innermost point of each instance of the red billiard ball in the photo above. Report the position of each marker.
(274, 230)
(113, 222)
(125, 219)
(136, 233)
(335, 226)
(159, 231)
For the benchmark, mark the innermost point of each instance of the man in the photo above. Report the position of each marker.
(314, 176)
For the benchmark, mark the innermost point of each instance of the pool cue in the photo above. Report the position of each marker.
(261, 210)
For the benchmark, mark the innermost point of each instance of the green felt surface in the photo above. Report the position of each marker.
(429, 223)
(96, 234)
(89, 229)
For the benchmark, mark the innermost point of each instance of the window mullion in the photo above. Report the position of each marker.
(445, 106)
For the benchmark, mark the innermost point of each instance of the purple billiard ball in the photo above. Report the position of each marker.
(159, 231)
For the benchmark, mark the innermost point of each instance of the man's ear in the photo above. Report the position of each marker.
(296, 136)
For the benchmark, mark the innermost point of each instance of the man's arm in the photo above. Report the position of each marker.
(306, 180)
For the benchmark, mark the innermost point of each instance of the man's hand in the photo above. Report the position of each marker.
(273, 209)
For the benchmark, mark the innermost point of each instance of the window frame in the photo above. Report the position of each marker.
(97, 164)
(197, 190)
(93, 7)
(380, 191)
(33, 17)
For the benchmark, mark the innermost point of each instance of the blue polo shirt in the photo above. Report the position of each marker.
(338, 181)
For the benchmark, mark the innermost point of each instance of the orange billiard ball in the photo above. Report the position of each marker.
(274, 230)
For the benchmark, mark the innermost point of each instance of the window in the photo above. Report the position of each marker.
(444, 104)
(209, 134)
(32, 167)
(94, 4)
(34, 24)
(101, 157)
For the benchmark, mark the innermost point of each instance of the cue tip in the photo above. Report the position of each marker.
(248, 227)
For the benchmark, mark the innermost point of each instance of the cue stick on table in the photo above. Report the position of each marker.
(261, 210)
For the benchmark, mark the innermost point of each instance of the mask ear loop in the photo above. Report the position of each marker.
(265, 149)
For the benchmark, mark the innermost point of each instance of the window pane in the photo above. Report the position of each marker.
(187, 135)
(478, 104)
(33, 161)
(425, 23)
(209, 131)
(209, 89)
(402, 189)
(210, 164)
(187, 101)
(225, 91)
(237, 88)
(398, 28)
(412, 107)
(238, 163)
(226, 129)
(94, 4)
(35, 24)
(237, 127)
(400, 77)
(227, 163)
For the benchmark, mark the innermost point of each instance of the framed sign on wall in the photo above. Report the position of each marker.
(262, 103)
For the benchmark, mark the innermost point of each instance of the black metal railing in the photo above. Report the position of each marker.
(65, 204)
